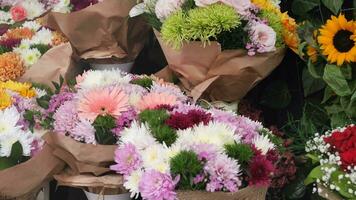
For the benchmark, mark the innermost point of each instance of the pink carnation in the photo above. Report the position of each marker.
(262, 38)
(155, 185)
(127, 158)
(18, 13)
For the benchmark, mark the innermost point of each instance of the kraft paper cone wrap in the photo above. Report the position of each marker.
(23, 181)
(56, 62)
(103, 30)
(215, 74)
(249, 193)
(83, 158)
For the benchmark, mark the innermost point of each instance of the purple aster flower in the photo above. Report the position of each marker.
(65, 118)
(84, 132)
(205, 151)
(199, 178)
(127, 158)
(155, 185)
(223, 174)
(124, 121)
(58, 100)
(36, 146)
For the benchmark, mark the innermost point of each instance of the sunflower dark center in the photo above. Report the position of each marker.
(342, 41)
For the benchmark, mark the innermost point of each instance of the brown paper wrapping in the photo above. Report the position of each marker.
(56, 62)
(103, 30)
(249, 193)
(23, 181)
(217, 75)
(82, 158)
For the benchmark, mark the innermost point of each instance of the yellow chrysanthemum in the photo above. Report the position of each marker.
(337, 39)
(5, 100)
(24, 89)
(266, 5)
(312, 53)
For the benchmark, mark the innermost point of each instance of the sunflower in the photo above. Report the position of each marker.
(337, 39)
(312, 53)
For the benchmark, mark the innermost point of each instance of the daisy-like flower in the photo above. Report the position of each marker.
(138, 134)
(102, 101)
(338, 40)
(33, 8)
(33, 25)
(131, 183)
(30, 56)
(152, 100)
(43, 36)
(153, 158)
(8, 140)
(8, 120)
(263, 144)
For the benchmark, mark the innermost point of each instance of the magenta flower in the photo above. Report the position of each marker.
(261, 171)
(127, 158)
(155, 185)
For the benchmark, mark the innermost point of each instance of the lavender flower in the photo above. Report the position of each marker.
(127, 158)
(124, 121)
(84, 132)
(185, 108)
(172, 90)
(65, 118)
(58, 100)
(155, 185)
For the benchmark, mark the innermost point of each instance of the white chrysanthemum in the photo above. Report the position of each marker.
(132, 181)
(263, 143)
(63, 6)
(24, 45)
(153, 157)
(33, 8)
(174, 150)
(139, 135)
(43, 36)
(8, 120)
(214, 133)
(5, 17)
(33, 25)
(40, 93)
(96, 78)
(30, 56)
(8, 140)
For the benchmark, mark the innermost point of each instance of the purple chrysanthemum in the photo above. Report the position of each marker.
(84, 132)
(127, 159)
(185, 108)
(155, 185)
(57, 100)
(124, 121)
(205, 151)
(65, 118)
(158, 88)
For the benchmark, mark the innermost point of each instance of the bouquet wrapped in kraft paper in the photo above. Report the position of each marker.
(220, 49)
(103, 33)
(26, 160)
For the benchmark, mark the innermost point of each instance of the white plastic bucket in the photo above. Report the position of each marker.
(92, 196)
(125, 67)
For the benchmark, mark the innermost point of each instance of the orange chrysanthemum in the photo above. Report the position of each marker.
(19, 33)
(152, 100)
(338, 40)
(58, 38)
(107, 101)
(11, 66)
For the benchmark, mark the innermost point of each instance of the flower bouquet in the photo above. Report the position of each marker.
(335, 154)
(187, 152)
(220, 48)
(25, 50)
(111, 39)
(330, 53)
(87, 119)
(25, 160)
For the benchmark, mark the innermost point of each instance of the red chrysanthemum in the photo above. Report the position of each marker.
(260, 170)
(10, 43)
(285, 171)
(188, 120)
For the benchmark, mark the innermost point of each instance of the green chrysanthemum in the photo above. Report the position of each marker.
(274, 21)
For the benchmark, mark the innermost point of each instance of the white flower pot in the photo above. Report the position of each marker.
(125, 67)
(92, 196)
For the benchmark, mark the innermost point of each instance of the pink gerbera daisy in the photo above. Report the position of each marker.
(152, 100)
(103, 101)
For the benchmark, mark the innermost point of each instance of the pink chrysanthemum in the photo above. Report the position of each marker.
(103, 101)
(155, 185)
(127, 158)
(152, 100)
(65, 118)
(84, 132)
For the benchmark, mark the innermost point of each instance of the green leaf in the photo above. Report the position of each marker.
(103, 126)
(347, 72)
(328, 93)
(14, 158)
(301, 7)
(339, 119)
(316, 173)
(336, 80)
(314, 158)
(311, 84)
(296, 189)
(315, 71)
(333, 109)
(276, 95)
(342, 184)
(333, 5)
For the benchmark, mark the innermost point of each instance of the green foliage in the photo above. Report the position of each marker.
(103, 126)
(4, 49)
(276, 95)
(334, 77)
(187, 165)
(274, 21)
(200, 24)
(233, 39)
(153, 21)
(42, 48)
(5, 8)
(240, 152)
(145, 82)
(15, 157)
(30, 117)
(156, 121)
(188, 5)
(333, 5)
